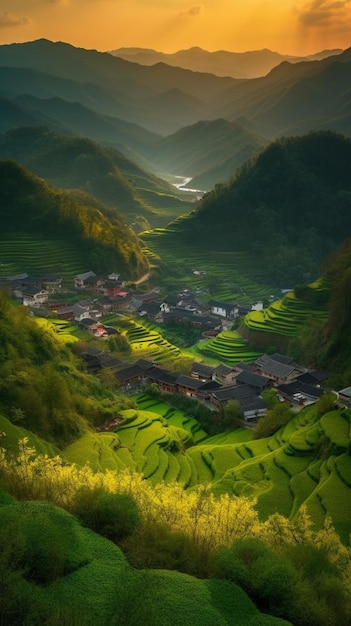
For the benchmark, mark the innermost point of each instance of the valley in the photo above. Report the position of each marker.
(175, 275)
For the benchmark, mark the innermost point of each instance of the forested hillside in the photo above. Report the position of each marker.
(80, 163)
(291, 205)
(30, 205)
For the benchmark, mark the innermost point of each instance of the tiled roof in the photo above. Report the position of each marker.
(202, 369)
(188, 381)
(254, 380)
(237, 392)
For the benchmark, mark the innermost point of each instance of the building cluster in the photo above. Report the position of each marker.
(103, 295)
(217, 385)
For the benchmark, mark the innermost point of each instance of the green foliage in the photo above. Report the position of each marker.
(293, 198)
(99, 233)
(114, 516)
(300, 584)
(276, 417)
(157, 546)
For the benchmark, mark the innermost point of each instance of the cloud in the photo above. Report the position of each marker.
(195, 10)
(320, 12)
(9, 19)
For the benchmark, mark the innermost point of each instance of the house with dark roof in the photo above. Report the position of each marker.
(345, 396)
(277, 371)
(236, 392)
(166, 381)
(151, 311)
(225, 375)
(111, 288)
(83, 281)
(34, 296)
(300, 393)
(188, 386)
(224, 309)
(260, 383)
(202, 371)
(180, 315)
(253, 408)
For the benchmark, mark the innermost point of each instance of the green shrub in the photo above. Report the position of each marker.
(267, 577)
(154, 545)
(114, 516)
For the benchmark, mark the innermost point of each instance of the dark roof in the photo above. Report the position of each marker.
(202, 369)
(87, 321)
(228, 306)
(172, 299)
(31, 291)
(247, 367)
(314, 377)
(237, 392)
(282, 358)
(254, 403)
(223, 370)
(254, 380)
(163, 376)
(130, 372)
(297, 387)
(188, 381)
(145, 364)
(274, 368)
(150, 308)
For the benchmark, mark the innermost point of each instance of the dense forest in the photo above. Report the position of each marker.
(30, 205)
(291, 205)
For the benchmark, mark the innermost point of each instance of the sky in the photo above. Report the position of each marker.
(296, 27)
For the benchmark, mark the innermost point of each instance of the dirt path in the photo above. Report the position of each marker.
(143, 279)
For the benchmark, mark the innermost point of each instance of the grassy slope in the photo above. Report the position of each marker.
(98, 587)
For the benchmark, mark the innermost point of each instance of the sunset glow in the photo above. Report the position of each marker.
(287, 26)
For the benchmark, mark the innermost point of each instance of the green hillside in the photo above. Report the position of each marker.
(293, 199)
(100, 236)
(80, 163)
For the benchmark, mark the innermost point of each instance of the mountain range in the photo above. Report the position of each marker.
(162, 98)
(250, 64)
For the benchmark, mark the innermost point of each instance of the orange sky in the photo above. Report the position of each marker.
(287, 26)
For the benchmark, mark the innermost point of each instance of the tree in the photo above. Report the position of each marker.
(232, 414)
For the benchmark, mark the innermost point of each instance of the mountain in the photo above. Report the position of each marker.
(109, 85)
(249, 64)
(79, 163)
(98, 233)
(77, 119)
(291, 205)
(305, 94)
(208, 151)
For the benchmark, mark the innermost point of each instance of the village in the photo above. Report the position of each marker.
(213, 385)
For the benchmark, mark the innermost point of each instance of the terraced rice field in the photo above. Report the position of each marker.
(233, 276)
(227, 347)
(23, 253)
(306, 462)
(283, 317)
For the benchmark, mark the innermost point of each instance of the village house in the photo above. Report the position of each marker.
(225, 375)
(223, 395)
(111, 288)
(201, 371)
(260, 383)
(345, 397)
(224, 309)
(34, 296)
(188, 386)
(300, 393)
(88, 280)
(279, 368)
(151, 311)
